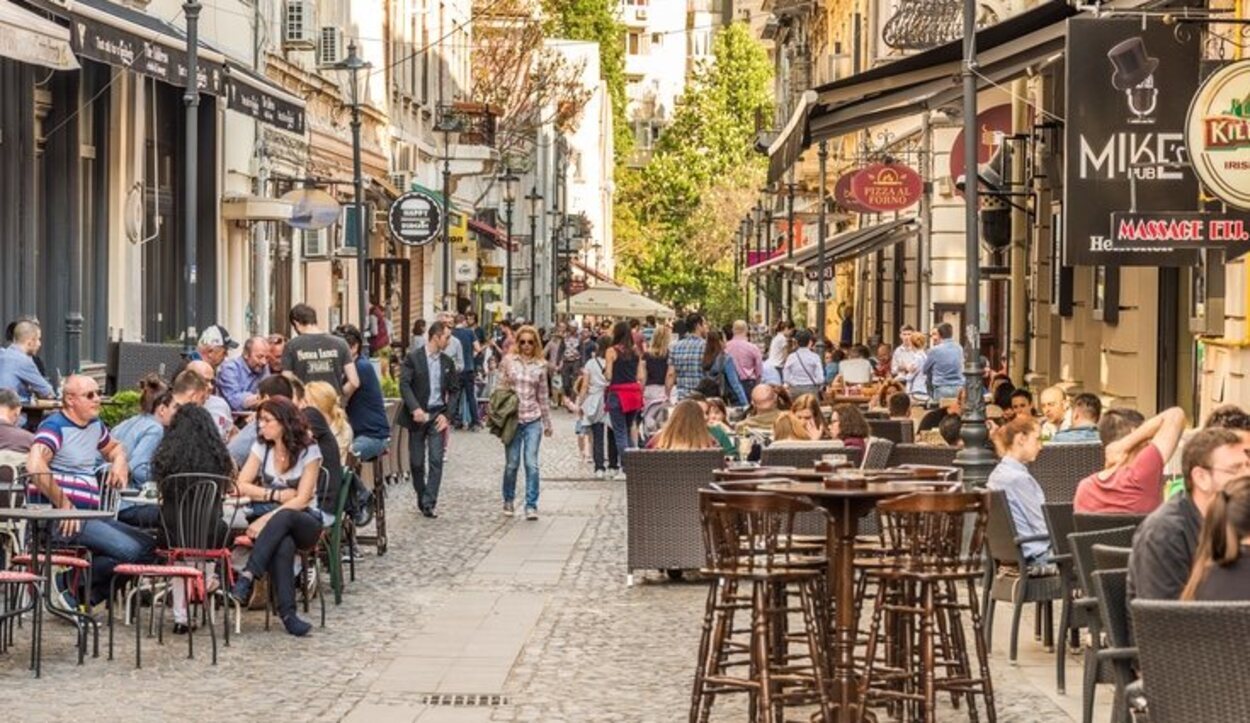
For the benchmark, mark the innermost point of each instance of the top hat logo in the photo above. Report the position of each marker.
(1132, 65)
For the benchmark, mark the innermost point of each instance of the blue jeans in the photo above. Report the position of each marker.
(367, 449)
(622, 424)
(945, 392)
(528, 435)
(465, 411)
(111, 543)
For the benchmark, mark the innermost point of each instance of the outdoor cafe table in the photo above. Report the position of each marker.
(41, 521)
(845, 505)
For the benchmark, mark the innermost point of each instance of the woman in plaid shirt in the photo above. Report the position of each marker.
(524, 371)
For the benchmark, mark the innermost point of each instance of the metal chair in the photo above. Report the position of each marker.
(1193, 659)
(1010, 578)
(1059, 468)
(1095, 671)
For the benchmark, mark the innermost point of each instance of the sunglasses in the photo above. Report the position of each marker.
(525, 342)
(90, 395)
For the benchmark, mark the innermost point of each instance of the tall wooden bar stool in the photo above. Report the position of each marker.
(920, 591)
(749, 544)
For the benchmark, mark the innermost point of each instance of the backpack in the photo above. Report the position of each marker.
(715, 375)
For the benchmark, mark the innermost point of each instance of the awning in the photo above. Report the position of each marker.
(438, 196)
(256, 208)
(255, 95)
(490, 236)
(28, 38)
(844, 246)
(610, 300)
(924, 81)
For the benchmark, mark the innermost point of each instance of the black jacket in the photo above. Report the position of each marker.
(414, 384)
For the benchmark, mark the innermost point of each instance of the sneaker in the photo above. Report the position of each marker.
(62, 597)
(531, 513)
(508, 509)
(614, 473)
(364, 510)
(242, 590)
(295, 626)
(599, 474)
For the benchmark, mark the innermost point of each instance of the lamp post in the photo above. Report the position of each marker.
(790, 244)
(191, 97)
(757, 221)
(535, 199)
(446, 125)
(353, 64)
(509, 181)
(557, 238)
(822, 156)
(768, 246)
(975, 458)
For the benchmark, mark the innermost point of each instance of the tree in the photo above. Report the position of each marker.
(677, 217)
(598, 21)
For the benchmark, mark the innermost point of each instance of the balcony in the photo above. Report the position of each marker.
(474, 122)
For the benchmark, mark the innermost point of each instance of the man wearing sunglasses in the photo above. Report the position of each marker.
(61, 464)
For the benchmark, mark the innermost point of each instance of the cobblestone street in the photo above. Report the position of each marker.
(471, 603)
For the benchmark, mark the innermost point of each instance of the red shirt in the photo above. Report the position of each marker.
(1134, 489)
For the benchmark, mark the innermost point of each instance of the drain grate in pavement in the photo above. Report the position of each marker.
(465, 699)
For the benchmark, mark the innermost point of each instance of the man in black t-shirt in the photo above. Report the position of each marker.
(314, 355)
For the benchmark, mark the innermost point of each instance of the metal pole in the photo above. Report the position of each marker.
(768, 245)
(790, 246)
(190, 217)
(508, 286)
(759, 249)
(822, 157)
(362, 242)
(447, 293)
(533, 267)
(925, 250)
(975, 458)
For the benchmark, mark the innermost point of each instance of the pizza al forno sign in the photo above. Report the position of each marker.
(887, 186)
(1217, 134)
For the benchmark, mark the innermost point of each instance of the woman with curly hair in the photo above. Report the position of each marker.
(282, 469)
(847, 423)
(190, 445)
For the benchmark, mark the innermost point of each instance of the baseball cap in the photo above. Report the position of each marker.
(216, 335)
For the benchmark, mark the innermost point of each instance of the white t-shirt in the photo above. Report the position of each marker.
(288, 480)
(777, 350)
(855, 371)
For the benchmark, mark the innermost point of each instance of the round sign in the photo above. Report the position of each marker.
(845, 198)
(416, 218)
(1217, 134)
(992, 125)
(312, 209)
(887, 186)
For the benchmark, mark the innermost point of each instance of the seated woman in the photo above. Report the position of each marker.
(686, 429)
(791, 431)
(881, 400)
(139, 437)
(1018, 443)
(807, 410)
(847, 423)
(322, 397)
(282, 469)
(191, 445)
(715, 412)
(1221, 569)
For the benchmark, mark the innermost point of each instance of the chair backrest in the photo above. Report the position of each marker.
(1091, 521)
(1082, 544)
(1193, 659)
(191, 511)
(922, 454)
(747, 531)
(1060, 467)
(1060, 523)
(877, 454)
(1109, 557)
(871, 414)
(898, 431)
(1111, 589)
(662, 506)
(1001, 534)
(928, 528)
(808, 455)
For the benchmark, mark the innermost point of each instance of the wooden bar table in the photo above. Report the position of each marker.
(846, 504)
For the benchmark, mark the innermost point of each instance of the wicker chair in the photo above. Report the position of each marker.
(1185, 681)
(877, 454)
(1060, 467)
(807, 455)
(922, 454)
(898, 431)
(1092, 522)
(1071, 619)
(662, 507)
(1111, 588)
(1009, 577)
(1082, 544)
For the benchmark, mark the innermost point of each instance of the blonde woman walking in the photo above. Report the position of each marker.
(524, 371)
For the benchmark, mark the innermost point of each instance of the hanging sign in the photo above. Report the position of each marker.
(1165, 232)
(165, 62)
(415, 218)
(1217, 134)
(887, 186)
(811, 273)
(993, 124)
(845, 197)
(312, 209)
(1128, 87)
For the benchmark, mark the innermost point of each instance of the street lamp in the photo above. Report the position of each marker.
(557, 238)
(975, 458)
(447, 124)
(757, 221)
(353, 64)
(821, 229)
(191, 97)
(535, 199)
(790, 245)
(509, 181)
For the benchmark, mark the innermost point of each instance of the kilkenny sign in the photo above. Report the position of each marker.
(1164, 232)
(887, 186)
(1217, 133)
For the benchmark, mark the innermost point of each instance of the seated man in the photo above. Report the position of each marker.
(1086, 411)
(1165, 543)
(1136, 452)
(186, 391)
(62, 467)
(763, 412)
(899, 406)
(14, 441)
(238, 376)
(946, 434)
(18, 370)
(366, 412)
(1056, 413)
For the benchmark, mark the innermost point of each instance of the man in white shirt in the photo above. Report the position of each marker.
(803, 373)
(855, 369)
(903, 353)
(781, 340)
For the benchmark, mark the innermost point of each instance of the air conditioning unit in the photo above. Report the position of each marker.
(330, 47)
(299, 24)
(316, 243)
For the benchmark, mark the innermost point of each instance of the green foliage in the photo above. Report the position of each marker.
(390, 387)
(121, 407)
(598, 21)
(676, 218)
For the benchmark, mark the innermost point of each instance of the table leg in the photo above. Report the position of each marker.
(840, 545)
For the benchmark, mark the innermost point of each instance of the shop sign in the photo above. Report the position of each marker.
(264, 107)
(1217, 133)
(415, 218)
(1128, 86)
(887, 186)
(466, 270)
(119, 48)
(993, 124)
(1168, 232)
(312, 209)
(845, 197)
(812, 273)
